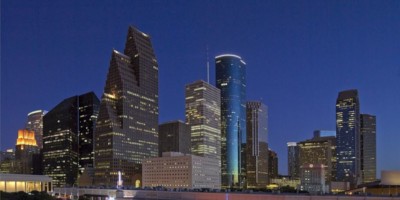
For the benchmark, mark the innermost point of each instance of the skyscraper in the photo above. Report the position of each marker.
(25, 148)
(348, 137)
(293, 160)
(272, 164)
(257, 145)
(127, 126)
(368, 148)
(231, 80)
(203, 115)
(70, 122)
(174, 136)
(35, 124)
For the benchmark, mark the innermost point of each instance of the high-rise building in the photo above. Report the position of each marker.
(257, 144)
(272, 164)
(203, 115)
(127, 125)
(231, 80)
(293, 160)
(63, 128)
(317, 151)
(324, 133)
(368, 148)
(174, 136)
(25, 148)
(348, 137)
(35, 124)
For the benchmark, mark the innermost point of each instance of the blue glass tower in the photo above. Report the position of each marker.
(348, 137)
(231, 80)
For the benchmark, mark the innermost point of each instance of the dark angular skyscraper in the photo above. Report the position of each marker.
(368, 148)
(127, 126)
(348, 137)
(63, 126)
(257, 145)
(231, 80)
(174, 136)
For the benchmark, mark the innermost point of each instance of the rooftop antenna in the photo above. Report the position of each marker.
(208, 67)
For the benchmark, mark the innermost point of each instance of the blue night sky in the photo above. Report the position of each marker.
(299, 55)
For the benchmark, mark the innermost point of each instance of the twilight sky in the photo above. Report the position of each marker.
(299, 55)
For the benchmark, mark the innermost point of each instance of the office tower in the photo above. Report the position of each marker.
(63, 128)
(174, 137)
(7, 162)
(348, 137)
(272, 164)
(35, 124)
(293, 160)
(25, 148)
(368, 147)
(231, 80)
(317, 151)
(203, 115)
(257, 144)
(127, 125)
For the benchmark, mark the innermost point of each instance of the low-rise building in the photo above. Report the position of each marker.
(178, 170)
(312, 177)
(24, 182)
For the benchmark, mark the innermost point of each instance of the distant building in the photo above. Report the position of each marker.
(348, 137)
(203, 115)
(8, 164)
(317, 151)
(282, 181)
(127, 125)
(63, 127)
(174, 136)
(272, 164)
(324, 133)
(231, 80)
(312, 178)
(35, 124)
(257, 144)
(368, 148)
(293, 160)
(177, 170)
(25, 148)
(8, 154)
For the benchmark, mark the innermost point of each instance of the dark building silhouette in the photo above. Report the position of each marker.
(368, 148)
(127, 125)
(272, 164)
(231, 80)
(348, 137)
(174, 136)
(293, 160)
(61, 136)
(257, 145)
(203, 115)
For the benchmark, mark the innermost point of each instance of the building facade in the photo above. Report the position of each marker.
(35, 124)
(293, 160)
(25, 148)
(348, 137)
(368, 148)
(203, 116)
(63, 128)
(312, 178)
(272, 164)
(127, 125)
(177, 170)
(257, 145)
(231, 80)
(174, 136)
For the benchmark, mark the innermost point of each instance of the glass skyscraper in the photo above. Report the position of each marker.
(348, 137)
(35, 124)
(127, 125)
(63, 126)
(173, 136)
(293, 160)
(368, 148)
(231, 80)
(257, 145)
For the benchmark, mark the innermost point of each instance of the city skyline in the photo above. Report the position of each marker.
(292, 83)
